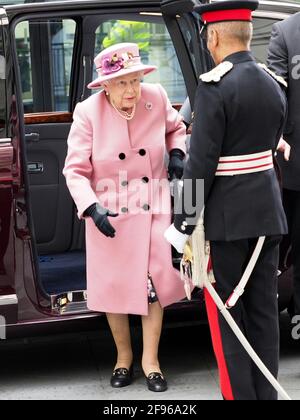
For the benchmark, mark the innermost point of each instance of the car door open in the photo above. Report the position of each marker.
(8, 182)
(55, 58)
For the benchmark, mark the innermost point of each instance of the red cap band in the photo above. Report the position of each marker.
(227, 15)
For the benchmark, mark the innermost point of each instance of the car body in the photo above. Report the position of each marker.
(47, 52)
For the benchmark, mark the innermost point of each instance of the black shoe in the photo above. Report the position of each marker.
(156, 382)
(121, 377)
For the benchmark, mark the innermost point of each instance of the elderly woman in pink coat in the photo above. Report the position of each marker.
(116, 173)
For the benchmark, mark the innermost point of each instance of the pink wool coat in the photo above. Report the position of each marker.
(119, 163)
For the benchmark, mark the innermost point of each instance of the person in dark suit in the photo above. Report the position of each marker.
(284, 59)
(239, 113)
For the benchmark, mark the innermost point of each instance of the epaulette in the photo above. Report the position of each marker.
(274, 75)
(216, 74)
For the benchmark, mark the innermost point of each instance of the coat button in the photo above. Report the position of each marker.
(145, 179)
(124, 183)
(122, 156)
(146, 207)
(124, 209)
(142, 152)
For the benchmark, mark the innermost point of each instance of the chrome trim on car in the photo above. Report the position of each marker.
(279, 3)
(5, 141)
(150, 13)
(270, 14)
(70, 302)
(3, 17)
(8, 300)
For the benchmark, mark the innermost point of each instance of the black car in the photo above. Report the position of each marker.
(46, 62)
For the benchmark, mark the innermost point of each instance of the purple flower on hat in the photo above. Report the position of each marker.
(112, 65)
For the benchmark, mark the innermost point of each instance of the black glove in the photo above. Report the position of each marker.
(176, 164)
(100, 216)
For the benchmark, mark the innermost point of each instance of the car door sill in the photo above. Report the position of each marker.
(70, 302)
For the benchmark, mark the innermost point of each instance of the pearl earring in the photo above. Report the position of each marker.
(106, 93)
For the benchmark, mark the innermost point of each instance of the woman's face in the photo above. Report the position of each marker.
(125, 91)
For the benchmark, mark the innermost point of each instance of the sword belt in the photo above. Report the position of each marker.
(245, 164)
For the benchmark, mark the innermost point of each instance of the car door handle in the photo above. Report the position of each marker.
(35, 167)
(32, 137)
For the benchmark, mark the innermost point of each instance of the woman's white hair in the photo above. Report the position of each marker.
(139, 74)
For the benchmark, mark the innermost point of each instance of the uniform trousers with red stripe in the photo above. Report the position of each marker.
(256, 313)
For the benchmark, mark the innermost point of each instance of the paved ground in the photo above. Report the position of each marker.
(78, 366)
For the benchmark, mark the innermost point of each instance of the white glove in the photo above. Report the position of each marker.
(176, 238)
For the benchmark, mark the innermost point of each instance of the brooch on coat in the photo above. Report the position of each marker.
(148, 106)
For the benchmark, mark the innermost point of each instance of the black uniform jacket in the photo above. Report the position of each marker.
(241, 114)
(284, 60)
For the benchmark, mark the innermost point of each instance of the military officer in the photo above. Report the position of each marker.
(240, 110)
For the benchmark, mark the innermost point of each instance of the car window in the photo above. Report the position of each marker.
(262, 28)
(155, 46)
(50, 43)
(195, 36)
(2, 88)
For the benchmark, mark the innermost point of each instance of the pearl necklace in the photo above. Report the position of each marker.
(125, 114)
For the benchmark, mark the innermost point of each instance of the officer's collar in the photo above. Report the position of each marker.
(240, 57)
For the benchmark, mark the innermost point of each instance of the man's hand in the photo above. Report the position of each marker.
(285, 148)
(100, 217)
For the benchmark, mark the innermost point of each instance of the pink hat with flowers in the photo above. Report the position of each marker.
(118, 60)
